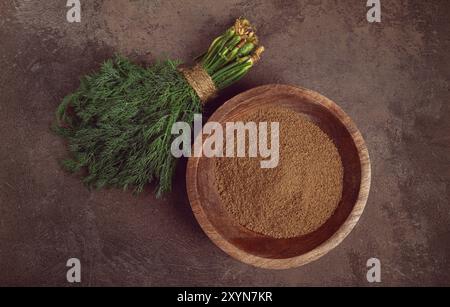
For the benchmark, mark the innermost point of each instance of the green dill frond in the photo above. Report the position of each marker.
(121, 123)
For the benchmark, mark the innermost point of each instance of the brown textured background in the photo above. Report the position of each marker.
(392, 78)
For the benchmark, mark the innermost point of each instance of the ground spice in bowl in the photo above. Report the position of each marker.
(294, 198)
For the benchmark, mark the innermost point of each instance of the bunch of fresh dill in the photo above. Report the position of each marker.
(118, 122)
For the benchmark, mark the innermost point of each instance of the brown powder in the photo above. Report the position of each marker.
(294, 198)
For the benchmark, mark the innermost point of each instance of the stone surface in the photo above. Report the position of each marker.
(392, 78)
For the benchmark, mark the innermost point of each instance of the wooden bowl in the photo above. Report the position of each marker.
(264, 251)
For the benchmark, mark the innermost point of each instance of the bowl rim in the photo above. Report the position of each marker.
(334, 240)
